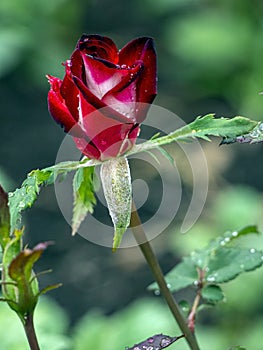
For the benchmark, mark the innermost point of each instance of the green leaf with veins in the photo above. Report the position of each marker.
(25, 196)
(182, 275)
(202, 127)
(219, 261)
(212, 294)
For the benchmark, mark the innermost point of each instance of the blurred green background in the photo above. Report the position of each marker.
(209, 60)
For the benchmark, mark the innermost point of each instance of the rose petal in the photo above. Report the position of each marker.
(99, 77)
(59, 110)
(110, 142)
(70, 93)
(98, 46)
(98, 104)
(142, 49)
(123, 96)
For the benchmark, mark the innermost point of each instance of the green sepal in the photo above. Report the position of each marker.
(12, 249)
(117, 188)
(84, 186)
(20, 286)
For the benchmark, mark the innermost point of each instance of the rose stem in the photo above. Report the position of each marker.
(147, 251)
(192, 314)
(30, 332)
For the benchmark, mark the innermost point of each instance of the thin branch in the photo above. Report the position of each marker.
(30, 332)
(153, 263)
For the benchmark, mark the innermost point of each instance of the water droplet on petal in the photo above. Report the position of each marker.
(123, 66)
(222, 243)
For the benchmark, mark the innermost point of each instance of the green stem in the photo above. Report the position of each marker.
(30, 332)
(153, 263)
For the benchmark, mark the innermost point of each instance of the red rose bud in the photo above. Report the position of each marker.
(105, 94)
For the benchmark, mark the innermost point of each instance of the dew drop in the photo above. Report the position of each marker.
(21, 204)
(222, 243)
(260, 126)
(252, 250)
(235, 233)
(123, 66)
(157, 292)
(227, 239)
(195, 283)
(211, 279)
(168, 285)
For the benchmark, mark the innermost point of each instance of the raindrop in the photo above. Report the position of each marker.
(235, 233)
(211, 279)
(123, 66)
(11, 194)
(222, 243)
(157, 292)
(227, 239)
(168, 285)
(252, 250)
(195, 283)
(21, 204)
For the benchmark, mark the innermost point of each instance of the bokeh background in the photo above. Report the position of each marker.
(209, 60)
